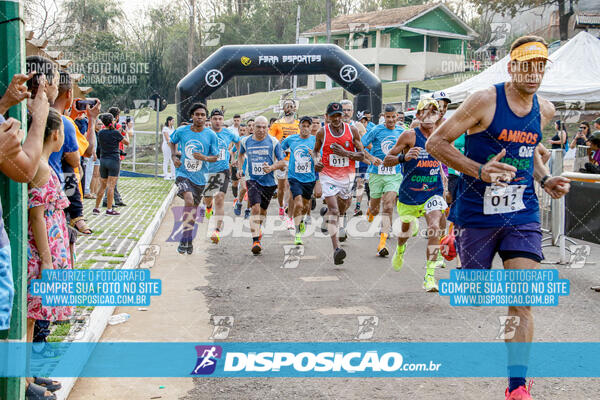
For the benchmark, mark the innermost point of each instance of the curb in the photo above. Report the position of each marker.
(99, 317)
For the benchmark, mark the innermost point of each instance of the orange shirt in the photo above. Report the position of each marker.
(281, 129)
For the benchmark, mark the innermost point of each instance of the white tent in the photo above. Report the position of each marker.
(573, 74)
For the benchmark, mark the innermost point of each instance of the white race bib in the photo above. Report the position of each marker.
(302, 167)
(222, 155)
(338, 161)
(383, 170)
(193, 165)
(503, 199)
(258, 169)
(436, 202)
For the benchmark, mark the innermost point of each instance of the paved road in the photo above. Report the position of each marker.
(317, 301)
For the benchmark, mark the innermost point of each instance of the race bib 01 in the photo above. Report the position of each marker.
(503, 199)
(302, 168)
(383, 170)
(258, 169)
(435, 203)
(193, 165)
(338, 161)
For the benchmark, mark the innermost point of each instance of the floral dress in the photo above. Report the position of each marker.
(54, 200)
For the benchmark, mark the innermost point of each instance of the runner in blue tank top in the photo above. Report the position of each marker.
(496, 206)
(421, 192)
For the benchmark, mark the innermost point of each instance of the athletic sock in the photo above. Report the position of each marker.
(382, 239)
(516, 376)
(255, 238)
(234, 191)
(430, 268)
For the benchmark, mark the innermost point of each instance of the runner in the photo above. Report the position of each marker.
(235, 182)
(219, 173)
(318, 192)
(264, 157)
(281, 129)
(198, 146)
(504, 126)
(384, 181)
(341, 148)
(421, 192)
(301, 173)
(235, 128)
(361, 168)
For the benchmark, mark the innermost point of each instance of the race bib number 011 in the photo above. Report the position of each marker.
(338, 161)
(302, 168)
(193, 165)
(383, 170)
(435, 203)
(258, 169)
(500, 200)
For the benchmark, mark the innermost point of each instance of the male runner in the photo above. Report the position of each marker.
(198, 146)
(235, 128)
(284, 127)
(264, 157)
(422, 190)
(361, 168)
(218, 173)
(497, 208)
(383, 181)
(318, 192)
(233, 162)
(243, 191)
(341, 147)
(301, 173)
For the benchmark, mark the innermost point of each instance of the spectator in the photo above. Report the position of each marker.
(593, 167)
(109, 139)
(116, 112)
(559, 140)
(48, 242)
(95, 183)
(19, 162)
(582, 135)
(168, 166)
(597, 124)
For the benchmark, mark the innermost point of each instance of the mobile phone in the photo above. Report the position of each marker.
(80, 105)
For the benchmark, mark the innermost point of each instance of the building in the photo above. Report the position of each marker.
(407, 43)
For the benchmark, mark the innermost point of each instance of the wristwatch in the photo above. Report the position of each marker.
(544, 179)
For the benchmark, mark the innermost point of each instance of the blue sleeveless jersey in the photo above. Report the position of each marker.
(519, 136)
(422, 178)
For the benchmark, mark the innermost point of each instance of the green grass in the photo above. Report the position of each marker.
(59, 333)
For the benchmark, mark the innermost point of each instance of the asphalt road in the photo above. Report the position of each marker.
(267, 299)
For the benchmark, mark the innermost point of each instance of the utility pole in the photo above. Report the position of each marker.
(191, 35)
(295, 85)
(328, 84)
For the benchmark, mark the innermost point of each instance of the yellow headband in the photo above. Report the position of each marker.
(424, 103)
(528, 51)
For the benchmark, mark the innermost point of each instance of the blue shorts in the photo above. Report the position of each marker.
(478, 246)
(361, 168)
(304, 189)
(7, 288)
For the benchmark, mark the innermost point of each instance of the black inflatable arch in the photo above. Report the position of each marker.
(294, 59)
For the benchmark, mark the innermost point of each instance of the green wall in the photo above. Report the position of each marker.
(437, 20)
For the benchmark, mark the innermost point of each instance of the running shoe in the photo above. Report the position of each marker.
(343, 236)
(215, 237)
(190, 247)
(289, 223)
(357, 212)
(209, 213)
(429, 284)
(322, 212)
(338, 256)
(112, 212)
(398, 258)
(520, 393)
(302, 227)
(439, 262)
(237, 208)
(256, 248)
(182, 248)
(382, 250)
(370, 216)
(96, 211)
(281, 212)
(298, 239)
(247, 213)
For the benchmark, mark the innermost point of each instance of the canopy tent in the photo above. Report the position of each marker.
(573, 74)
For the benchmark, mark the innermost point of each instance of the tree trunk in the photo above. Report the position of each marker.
(563, 19)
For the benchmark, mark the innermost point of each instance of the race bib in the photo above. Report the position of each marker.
(435, 203)
(383, 170)
(222, 155)
(258, 169)
(302, 167)
(500, 200)
(338, 161)
(192, 165)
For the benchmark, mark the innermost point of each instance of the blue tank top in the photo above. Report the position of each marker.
(422, 178)
(519, 136)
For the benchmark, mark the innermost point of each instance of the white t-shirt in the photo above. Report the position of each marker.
(168, 132)
(234, 130)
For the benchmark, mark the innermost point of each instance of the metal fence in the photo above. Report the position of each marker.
(145, 139)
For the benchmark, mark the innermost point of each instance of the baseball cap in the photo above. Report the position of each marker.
(334, 108)
(595, 136)
(424, 103)
(441, 95)
(528, 51)
(597, 121)
(216, 111)
(306, 118)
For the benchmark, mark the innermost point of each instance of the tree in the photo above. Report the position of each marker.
(512, 7)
